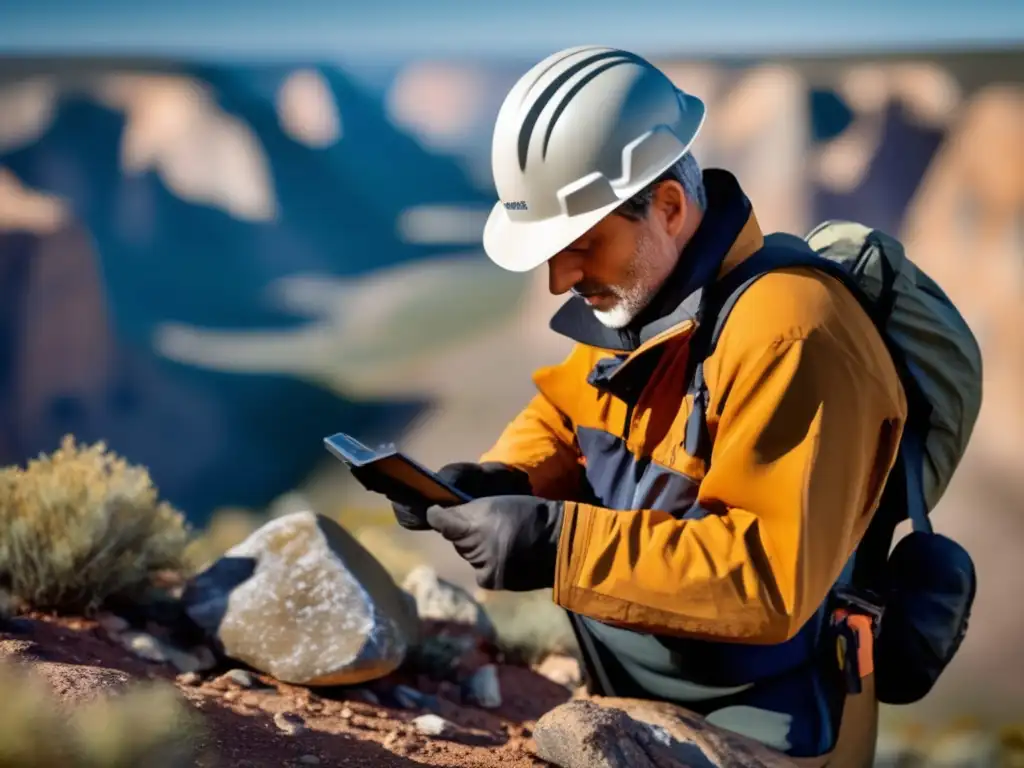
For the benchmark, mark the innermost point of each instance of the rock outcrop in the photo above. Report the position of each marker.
(303, 601)
(627, 733)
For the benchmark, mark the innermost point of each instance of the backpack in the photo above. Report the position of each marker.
(921, 592)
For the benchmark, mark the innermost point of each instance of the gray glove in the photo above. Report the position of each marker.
(475, 480)
(511, 541)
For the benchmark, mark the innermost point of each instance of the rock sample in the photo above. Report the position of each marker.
(301, 600)
(438, 600)
(626, 733)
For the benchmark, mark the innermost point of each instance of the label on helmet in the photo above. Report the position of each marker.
(516, 205)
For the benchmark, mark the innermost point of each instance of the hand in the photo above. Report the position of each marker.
(511, 541)
(475, 480)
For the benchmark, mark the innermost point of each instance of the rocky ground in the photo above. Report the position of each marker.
(512, 716)
(379, 673)
(254, 720)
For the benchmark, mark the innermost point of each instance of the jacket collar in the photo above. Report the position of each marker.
(727, 235)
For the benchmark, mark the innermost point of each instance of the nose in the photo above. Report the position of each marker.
(565, 269)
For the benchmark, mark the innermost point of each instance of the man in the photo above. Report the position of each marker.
(697, 577)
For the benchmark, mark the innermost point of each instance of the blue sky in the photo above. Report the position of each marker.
(389, 29)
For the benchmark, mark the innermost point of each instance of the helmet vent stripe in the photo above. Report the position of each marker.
(568, 97)
(530, 122)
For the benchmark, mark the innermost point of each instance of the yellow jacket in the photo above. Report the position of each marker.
(805, 416)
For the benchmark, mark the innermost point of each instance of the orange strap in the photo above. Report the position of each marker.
(861, 626)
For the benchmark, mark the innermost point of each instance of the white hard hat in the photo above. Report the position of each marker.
(578, 135)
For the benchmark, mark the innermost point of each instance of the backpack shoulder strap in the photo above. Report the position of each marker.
(780, 251)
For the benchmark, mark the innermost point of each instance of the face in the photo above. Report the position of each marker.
(619, 264)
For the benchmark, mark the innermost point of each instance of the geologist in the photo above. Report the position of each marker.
(692, 533)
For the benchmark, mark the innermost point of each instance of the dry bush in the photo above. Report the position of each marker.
(81, 526)
(146, 726)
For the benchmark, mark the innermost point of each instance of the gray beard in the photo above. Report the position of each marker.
(641, 285)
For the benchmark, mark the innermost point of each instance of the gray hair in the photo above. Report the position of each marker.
(686, 171)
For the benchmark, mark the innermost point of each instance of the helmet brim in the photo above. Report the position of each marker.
(520, 246)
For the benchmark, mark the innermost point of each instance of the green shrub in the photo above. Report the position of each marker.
(81, 526)
(147, 726)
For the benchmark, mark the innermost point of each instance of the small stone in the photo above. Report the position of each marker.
(309, 760)
(250, 700)
(231, 696)
(189, 678)
(483, 688)
(290, 723)
(564, 670)
(345, 714)
(391, 740)
(240, 677)
(431, 725)
(438, 600)
(144, 645)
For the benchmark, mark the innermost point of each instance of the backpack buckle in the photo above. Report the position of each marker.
(855, 623)
(864, 602)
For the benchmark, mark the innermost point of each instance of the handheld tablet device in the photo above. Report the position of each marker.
(393, 474)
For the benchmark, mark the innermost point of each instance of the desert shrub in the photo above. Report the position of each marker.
(146, 726)
(80, 526)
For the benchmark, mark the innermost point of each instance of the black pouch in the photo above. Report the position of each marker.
(924, 587)
(930, 584)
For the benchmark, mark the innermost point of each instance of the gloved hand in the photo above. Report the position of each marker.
(511, 541)
(475, 480)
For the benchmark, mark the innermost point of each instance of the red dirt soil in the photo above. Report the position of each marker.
(80, 661)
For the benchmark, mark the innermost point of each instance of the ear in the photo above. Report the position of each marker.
(670, 206)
